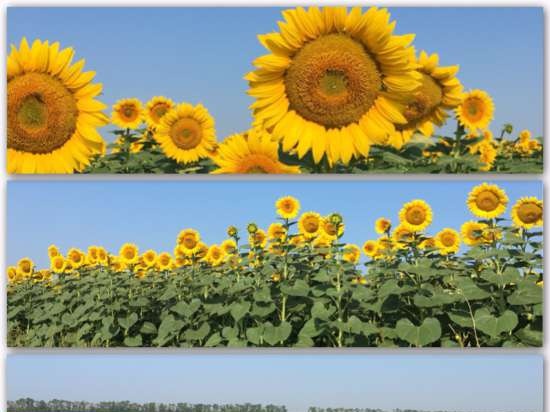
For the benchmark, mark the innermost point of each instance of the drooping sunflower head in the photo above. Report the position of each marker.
(370, 248)
(474, 233)
(330, 229)
(527, 213)
(155, 109)
(351, 253)
(427, 243)
(415, 216)
(401, 236)
(52, 113)
(229, 246)
(188, 239)
(287, 207)
(58, 264)
(382, 225)
(127, 113)
(129, 253)
(439, 91)
(258, 238)
(447, 241)
(276, 232)
(487, 201)
(309, 224)
(149, 258)
(253, 152)
(333, 81)
(186, 133)
(476, 110)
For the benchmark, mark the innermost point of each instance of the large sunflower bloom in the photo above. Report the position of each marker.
(333, 82)
(287, 207)
(129, 253)
(438, 92)
(155, 110)
(188, 241)
(474, 233)
(52, 113)
(127, 113)
(309, 224)
(487, 201)
(250, 153)
(382, 225)
(527, 212)
(415, 216)
(476, 110)
(186, 133)
(351, 253)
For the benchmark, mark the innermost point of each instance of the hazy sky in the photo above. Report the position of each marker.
(430, 382)
(201, 54)
(151, 213)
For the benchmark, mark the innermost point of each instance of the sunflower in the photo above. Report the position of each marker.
(12, 274)
(402, 235)
(287, 207)
(53, 250)
(474, 233)
(527, 212)
(427, 243)
(333, 82)
(155, 109)
(487, 201)
(129, 253)
(415, 216)
(447, 241)
(149, 258)
(52, 113)
(127, 113)
(201, 251)
(76, 258)
(382, 225)
(258, 238)
(322, 244)
(58, 264)
(438, 92)
(164, 261)
(102, 256)
(487, 155)
(186, 133)
(215, 255)
(117, 265)
(229, 246)
(276, 232)
(476, 110)
(330, 229)
(25, 267)
(351, 253)
(253, 152)
(91, 257)
(188, 240)
(370, 248)
(309, 224)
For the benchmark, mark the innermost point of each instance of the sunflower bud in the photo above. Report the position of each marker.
(252, 228)
(336, 219)
(232, 231)
(508, 128)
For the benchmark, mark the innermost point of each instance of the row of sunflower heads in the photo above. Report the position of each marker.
(336, 81)
(486, 201)
(187, 134)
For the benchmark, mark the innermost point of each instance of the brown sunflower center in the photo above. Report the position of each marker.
(415, 215)
(330, 229)
(425, 99)
(529, 213)
(487, 201)
(332, 81)
(186, 133)
(473, 108)
(311, 224)
(129, 254)
(158, 111)
(189, 241)
(448, 239)
(129, 112)
(42, 113)
(287, 206)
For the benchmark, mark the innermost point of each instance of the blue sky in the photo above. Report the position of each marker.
(201, 54)
(151, 213)
(429, 382)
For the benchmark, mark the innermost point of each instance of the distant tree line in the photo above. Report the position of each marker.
(57, 405)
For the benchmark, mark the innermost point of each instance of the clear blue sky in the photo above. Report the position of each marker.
(501, 383)
(151, 213)
(201, 54)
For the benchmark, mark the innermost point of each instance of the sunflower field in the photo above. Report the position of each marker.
(299, 284)
(337, 92)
